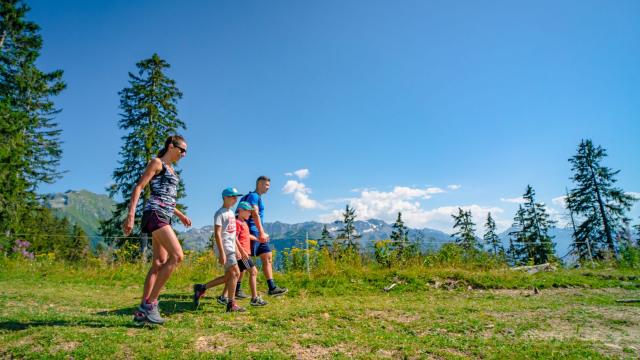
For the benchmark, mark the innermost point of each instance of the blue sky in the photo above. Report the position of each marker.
(412, 106)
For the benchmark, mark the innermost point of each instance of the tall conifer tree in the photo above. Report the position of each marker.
(465, 231)
(348, 234)
(31, 147)
(599, 205)
(149, 115)
(491, 239)
(530, 231)
(400, 236)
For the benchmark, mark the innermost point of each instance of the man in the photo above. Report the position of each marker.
(260, 247)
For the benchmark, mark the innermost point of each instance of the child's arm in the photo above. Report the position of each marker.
(252, 237)
(222, 258)
(243, 254)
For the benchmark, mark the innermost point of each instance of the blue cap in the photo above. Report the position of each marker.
(230, 192)
(243, 205)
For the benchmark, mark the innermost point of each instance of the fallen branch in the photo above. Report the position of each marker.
(388, 288)
(532, 269)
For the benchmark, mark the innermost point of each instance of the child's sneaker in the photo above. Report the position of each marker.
(240, 294)
(257, 301)
(198, 292)
(233, 307)
(277, 291)
(222, 300)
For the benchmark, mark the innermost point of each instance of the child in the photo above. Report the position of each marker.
(225, 235)
(244, 247)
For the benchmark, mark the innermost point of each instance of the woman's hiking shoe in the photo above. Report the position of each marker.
(241, 295)
(222, 300)
(277, 291)
(257, 301)
(198, 292)
(233, 307)
(153, 314)
(148, 313)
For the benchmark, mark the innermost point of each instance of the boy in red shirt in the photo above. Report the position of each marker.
(244, 238)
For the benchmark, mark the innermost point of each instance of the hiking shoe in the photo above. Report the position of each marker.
(257, 301)
(153, 314)
(139, 316)
(198, 292)
(222, 300)
(142, 308)
(233, 307)
(277, 291)
(240, 294)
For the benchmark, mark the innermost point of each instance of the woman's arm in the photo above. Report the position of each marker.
(185, 220)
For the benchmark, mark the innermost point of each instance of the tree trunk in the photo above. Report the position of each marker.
(2, 38)
(605, 220)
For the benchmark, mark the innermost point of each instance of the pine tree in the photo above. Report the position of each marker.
(491, 239)
(530, 234)
(519, 251)
(30, 150)
(400, 237)
(149, 115)
(465, 234)
(511, 255)
(325, 240)
(539, 222)
(348, 234)
(637, 228)
(599, 205)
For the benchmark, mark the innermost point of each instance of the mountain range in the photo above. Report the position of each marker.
(87, 209)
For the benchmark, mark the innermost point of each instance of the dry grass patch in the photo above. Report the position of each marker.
(315, 351)
(615, 328)
(65, 346)
(392, 315)
(215, 344)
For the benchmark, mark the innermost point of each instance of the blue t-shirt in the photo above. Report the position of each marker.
(254, 199)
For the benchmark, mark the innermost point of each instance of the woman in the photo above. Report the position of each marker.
(156, 220)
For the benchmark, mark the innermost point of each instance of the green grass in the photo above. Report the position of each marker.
(54, 310)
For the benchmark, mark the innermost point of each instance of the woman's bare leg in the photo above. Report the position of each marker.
(159, 258)
(167, 239)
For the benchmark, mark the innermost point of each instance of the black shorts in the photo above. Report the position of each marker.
(245, 265)
(152, 221)
(258, 248)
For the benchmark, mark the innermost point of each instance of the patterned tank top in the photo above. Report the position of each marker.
(164, 189)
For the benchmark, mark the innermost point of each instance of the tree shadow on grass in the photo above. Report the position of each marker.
(12, 325)
(169, 304)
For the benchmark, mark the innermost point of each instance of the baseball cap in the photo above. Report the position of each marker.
(230, 192)
(243, 205)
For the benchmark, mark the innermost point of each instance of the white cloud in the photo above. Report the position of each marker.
(560, 200)
(300, 194)
(561, 218)
(454, 187)
(634, 194)
(518, 200)
(301, 173)
(386, 205)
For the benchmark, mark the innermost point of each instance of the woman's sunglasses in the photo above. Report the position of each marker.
(182, 150)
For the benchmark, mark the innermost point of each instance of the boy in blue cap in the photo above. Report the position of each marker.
(225, 235)
(244, 237)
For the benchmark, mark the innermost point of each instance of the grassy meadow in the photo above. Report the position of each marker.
(50, 309)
